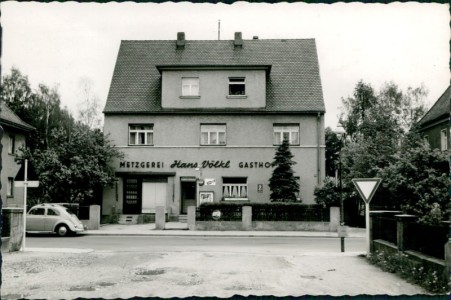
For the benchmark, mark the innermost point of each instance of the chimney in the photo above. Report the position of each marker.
(180, 40)
(238, 40)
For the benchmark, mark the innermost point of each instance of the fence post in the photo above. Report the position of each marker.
(94, 217)
(160, 217)
(373, 216)
(334, 219)
(191, 217)
(401, 230)
(246, 217)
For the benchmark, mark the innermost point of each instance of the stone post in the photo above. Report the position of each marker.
(246, 217)
(16, 228)
(334, 220)
(401, 232)
(160, 217)
(191, 217)
(94, 217)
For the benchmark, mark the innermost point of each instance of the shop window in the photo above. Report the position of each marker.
(237, 86)
(212, 134)
(288, 132)
(443, 140)
(140, 134)
(12, 144)
(190, 87)
(234, 188)
(10, 187)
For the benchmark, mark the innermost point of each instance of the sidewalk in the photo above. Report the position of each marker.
(180, 229)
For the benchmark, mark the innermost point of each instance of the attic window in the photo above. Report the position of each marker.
(190, 86)
(237, 86)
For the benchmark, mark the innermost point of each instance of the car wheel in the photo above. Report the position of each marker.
(62, 230)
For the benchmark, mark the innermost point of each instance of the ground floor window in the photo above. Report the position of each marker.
(234, 188)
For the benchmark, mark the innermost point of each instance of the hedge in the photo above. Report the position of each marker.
(279, 211)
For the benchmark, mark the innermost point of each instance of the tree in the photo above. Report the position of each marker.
(75, 166)
(418, 179)
(41, 108)
(283, 184)
(89, 112)
(333, 145)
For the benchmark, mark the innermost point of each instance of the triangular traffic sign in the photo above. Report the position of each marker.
(366, 187)
(31, 173)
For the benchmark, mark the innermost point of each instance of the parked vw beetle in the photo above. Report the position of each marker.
(53, 218)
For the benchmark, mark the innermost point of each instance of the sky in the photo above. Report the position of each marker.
(62, 44)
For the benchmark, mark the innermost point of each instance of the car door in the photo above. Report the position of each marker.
(52, 217)
(36, 219)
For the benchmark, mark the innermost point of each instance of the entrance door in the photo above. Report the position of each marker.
(132, 196)
(188, 196)
(154, 194)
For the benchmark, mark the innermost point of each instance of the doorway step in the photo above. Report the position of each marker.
(128, 219)
(183, 218)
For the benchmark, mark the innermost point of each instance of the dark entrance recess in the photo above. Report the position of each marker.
(132, 196)
(188, 194)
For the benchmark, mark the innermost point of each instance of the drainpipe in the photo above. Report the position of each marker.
(318, 149)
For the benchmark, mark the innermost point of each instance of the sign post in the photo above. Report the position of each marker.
(366, 188)
(21, 180)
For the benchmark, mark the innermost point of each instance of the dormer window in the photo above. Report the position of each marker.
(237, 86)
(190, 87)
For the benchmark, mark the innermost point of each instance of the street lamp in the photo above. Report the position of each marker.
(341, 134)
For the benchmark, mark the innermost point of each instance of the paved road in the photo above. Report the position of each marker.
(175, 266)
(190, 243)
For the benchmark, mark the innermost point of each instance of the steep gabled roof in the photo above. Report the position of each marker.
(440, 109)
(293, 84)
(9, 118)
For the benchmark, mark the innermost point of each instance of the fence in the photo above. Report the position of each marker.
(427, 239)
(265, 212)
(406, 234)
(385, 227)
(259, 216)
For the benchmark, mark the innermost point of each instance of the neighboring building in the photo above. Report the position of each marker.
(214, 110)
(15, 132)
(434, 126)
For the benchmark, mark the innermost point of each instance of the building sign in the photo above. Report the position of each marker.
(254, 164)
(204, 164)
(210, 181)
(141, 164)
(179, 164)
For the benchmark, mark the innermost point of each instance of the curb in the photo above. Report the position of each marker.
(210, 234)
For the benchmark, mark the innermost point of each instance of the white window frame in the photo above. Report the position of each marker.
(242, 81)
(212, 132)
(12, 144)
(190, 87)
(10, 187)
(293, 131)
(235, 191)
(134, 134)
(443, 139)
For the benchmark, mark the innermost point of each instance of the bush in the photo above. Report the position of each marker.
(415, 272)
(329, 194)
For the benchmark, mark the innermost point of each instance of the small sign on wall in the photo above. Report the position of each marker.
(260, 188)
(210, 181)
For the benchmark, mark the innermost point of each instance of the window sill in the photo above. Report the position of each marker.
(213, 145)
(277, 145)
(189, 97)
(236, 199)
(236, 96)
(140, 145)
